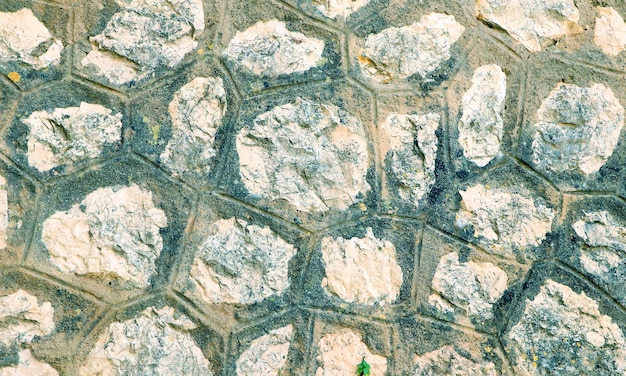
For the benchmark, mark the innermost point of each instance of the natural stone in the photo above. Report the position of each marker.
(197, 111)
(111, 233)
(267, 354)
(610, 31)
(446, 361)
(70, 134)
(241, 263)
(270, 49)
(562, 332)
(4, 212)
(481, 125)
(362, 270)
(23, 38)
(28, 365)
(339, 8)
(534, 23)
(156, 342)
(577, 129)
(312, 155)
(398, 53)
(341, 351)
(22, 318)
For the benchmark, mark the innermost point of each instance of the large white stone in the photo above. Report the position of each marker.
(197, 111)
(446, 361)
(312, 155)
(339, 8)
(577, 129)
(397, 53)
(610, 31)
(112, 232)
(340, 352)
(22, 318)
(70, 134)
(270, 49)
(481, 125)
(267, 354)
(28, 366)
(241, 263)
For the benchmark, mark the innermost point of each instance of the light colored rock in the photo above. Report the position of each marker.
(70, 134)
(446, 361)
(269, 49)
(111, 233)
(339, 8)
(197, 111)
(4, 212)
(409, 144)
(534, 23)
(471, 287)
(241, 263)
(601, 229)
(156, 342)
(397, 53)
(267, 354)
(562, 332)
(22, 318)
(610, 31)
(312, 155)
(577, 129)
(25, 39)
(362, 270)
(28, 365)
(340, 353)
(503, 220)
(481, 125)
(144, 36)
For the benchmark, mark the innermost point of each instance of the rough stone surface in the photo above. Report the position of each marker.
(28, 366)
(112, 232)
(25, 39)
(398, 53)
(312, 155)
(269, 49)
(156, 342)
(241, 263)
(610, 31)
(562, 332)
(267, 354)
(70, 134)
(481, 125)
(22, 318)
(339, 8)
(446, 361)
(534, 23)
(4, 212)
(409, 144)
(577, 129)
(341, 351)
(197, 111)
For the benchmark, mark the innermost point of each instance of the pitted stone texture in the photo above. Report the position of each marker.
(409, 143)
(578, 128)
(481, 125)
(610, 31)
(241, 263)
(22, 318)
(110, 233)
(28, 365)
(312, 155)
(144, 36)
(269, 49)
(339, 8)
(534, 23)
(23, 38)
(562, 332)
(471, 287)
(267, 354)
(341, 351)
(446, 361)
(157, 342)
(70, 134)
(362, 270)
(398, 53)
(4, 212)
(197, 111)
(504, 220)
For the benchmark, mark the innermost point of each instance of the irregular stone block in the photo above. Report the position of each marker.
(267, 354)
(4, 212)
(28, 365)
(446, 361)
(22, 318)
(609, 32)
(339, 8)
(340, 353)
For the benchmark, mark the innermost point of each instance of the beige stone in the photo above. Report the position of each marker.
(340, 353)
(610, 31)
(22, 318)
(339, 8)
(446, 361)
(28, 366)
(266, 355)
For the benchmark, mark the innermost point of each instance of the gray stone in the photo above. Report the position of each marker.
(28, 366)
(267, 354)
(446, 361)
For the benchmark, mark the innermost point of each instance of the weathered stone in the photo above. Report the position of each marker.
(481, 125)
(534, 23)
(409, 144)
(504, 220)
(562, 332)
(269, 49)
(144, 36)
(312, 155)
(197, 111)
(23, 38)
(578, 128)
(446, 361)
(4, 212)
(398, 53)
(362, 270)
(340, 353)
(22, 318)
(610, 31)
(110, 233)
(339, 8)
(70, 134)
(241, 263)
(267, 354)
(157, 342)
(28, 365)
